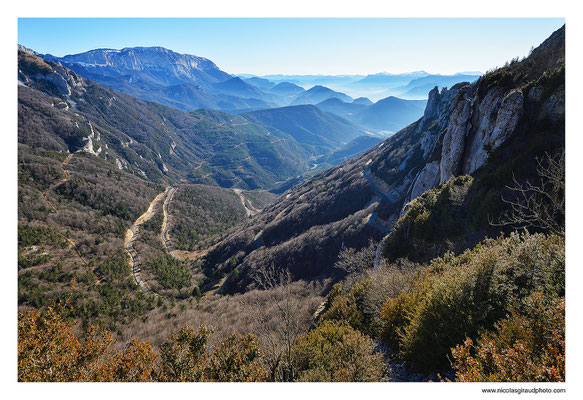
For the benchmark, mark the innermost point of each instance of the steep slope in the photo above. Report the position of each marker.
(61, 111)
(349, 150)
(467, 129)
(318, 94)
(308, 125)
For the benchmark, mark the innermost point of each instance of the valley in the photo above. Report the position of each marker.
(183, 218)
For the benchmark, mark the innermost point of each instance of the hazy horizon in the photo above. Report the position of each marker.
(302, 46)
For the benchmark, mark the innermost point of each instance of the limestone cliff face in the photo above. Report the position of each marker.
(426, 179)
(452, 149)
(436, 116)
(64, 81)
(461, 127)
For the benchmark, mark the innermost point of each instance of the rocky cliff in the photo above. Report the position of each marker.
(474, 120)
(152, 64)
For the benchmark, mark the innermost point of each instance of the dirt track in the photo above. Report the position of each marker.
(249, 209)
(132, 234)
(59, 183)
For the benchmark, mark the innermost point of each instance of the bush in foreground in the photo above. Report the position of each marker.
(337, 353)
(528, 346)
(48, 351)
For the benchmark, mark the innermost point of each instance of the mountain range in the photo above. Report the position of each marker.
(389, 114)
(410, 86)
(190, 82)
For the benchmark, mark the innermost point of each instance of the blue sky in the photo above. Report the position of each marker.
(304, 46)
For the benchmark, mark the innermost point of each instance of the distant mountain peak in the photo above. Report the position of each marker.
(170, 67)
(157, 74)
(363, 100)
(318, 94)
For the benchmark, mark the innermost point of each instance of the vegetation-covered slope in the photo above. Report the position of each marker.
(321, 131)
(422, 312)
(201, 214)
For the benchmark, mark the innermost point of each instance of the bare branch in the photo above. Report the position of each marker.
(542, 206)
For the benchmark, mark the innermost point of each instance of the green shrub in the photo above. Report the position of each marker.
(170, 272)
(36, 235)
(115, 267)
(430, 219)
(337, 353)
(470, 292)
(185, 358)
(395, 317)
(343, 309)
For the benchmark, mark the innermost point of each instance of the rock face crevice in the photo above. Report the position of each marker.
(460, 129)
(494, 122)
(452, 149)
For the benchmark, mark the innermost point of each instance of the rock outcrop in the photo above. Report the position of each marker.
(463, 125)
(426, 179)
(452, 149)
(463, 128)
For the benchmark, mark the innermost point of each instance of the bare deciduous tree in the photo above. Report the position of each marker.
(355, 262)
(539, 206)
(280, 323)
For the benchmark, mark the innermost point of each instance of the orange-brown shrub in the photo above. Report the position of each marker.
(528, 346)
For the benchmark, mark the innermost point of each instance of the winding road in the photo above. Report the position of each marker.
(132, 234)
(372, 221)
(370, 180)
(249, 209)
